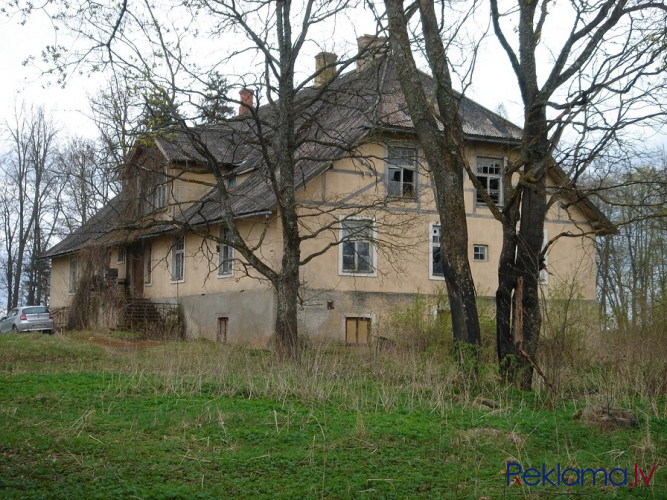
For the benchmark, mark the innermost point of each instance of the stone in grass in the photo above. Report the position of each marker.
(608, 417)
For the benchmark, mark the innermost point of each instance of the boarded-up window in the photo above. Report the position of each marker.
(357, 331)
(222, 329)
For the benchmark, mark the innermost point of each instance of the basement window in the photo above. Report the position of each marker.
(357, 331)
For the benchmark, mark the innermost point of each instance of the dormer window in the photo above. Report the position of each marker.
(402, 173)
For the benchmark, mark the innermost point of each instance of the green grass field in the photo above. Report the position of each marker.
(90, 415)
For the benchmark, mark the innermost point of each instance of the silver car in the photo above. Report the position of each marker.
(27, 319)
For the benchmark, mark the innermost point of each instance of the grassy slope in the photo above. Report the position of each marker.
(196, 420)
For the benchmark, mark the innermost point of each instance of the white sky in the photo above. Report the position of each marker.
(69, 106)
(494, 82)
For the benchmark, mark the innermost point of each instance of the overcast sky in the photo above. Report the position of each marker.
(494, 83)
(23, 82)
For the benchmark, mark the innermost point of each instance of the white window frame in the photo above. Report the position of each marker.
(178, 253)
(372, 251)
(398, 164)
(159, 194)
(73, 275)
(148, 263)
(544, 273)
(225, 262)
(475, 253)
(120, 255)
(483, 167)
(434, 230)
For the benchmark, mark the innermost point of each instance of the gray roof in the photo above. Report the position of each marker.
(330, 124)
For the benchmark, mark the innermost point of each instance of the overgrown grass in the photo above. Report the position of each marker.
(86, 415)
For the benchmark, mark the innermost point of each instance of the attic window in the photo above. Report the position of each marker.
(489, 174)
(401, 173)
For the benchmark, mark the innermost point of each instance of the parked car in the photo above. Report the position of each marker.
(27, 319)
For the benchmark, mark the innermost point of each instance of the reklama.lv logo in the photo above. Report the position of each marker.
(574, 477)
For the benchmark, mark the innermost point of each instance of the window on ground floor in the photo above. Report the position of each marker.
(178, 259)
(148, 264)
(225, 253)
(73, 274)
(480, 253)
(435, 264)
(357, 252)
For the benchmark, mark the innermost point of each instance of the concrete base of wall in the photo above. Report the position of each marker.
(250, 316)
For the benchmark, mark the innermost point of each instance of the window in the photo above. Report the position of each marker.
(544, 273)
(435, 263)
(357, 331)
(225, 253)
(159, 194)
(178, 259)
(148, 264)
(480, 253)
(489, 172)
(402, 173)
(357, 251)
(73, 274)
(120, 256)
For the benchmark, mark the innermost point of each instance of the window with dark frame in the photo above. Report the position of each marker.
(357, 253)
(401, 173)
(489, 174)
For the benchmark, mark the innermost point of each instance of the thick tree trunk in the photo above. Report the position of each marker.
(443, 154)
(286, 314)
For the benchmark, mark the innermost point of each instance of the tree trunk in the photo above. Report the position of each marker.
(443, 154)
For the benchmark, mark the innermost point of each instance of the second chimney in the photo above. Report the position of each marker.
(325, 68)
(246, 101)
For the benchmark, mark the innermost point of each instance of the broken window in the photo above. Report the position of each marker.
(401, 173)
(489, 172)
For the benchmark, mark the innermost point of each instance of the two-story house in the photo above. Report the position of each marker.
(365, 198)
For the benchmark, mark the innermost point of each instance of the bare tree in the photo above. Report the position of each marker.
(26, 201)
(82, 170)
(632, 273)
(438, 125)
(602, 77)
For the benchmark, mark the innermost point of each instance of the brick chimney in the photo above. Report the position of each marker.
(370, 48)
(325, 68)
(246, 101)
